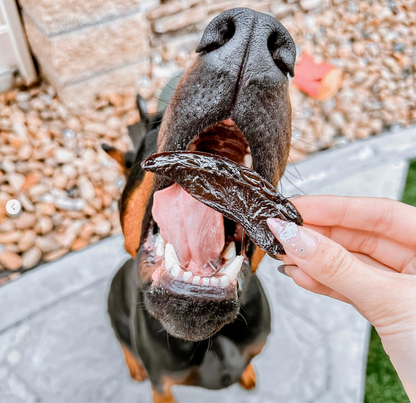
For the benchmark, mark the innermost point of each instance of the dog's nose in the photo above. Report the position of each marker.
(255, 45)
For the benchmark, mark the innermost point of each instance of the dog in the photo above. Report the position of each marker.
(233, 101)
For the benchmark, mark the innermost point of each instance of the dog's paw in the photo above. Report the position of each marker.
(137, 371)
(248, 378)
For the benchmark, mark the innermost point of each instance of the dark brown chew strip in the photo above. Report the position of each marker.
(235, 191)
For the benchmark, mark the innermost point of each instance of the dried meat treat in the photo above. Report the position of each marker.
(237, 192)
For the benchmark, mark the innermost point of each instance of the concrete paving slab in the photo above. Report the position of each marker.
(57, 346)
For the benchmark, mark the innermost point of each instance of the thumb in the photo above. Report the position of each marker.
(326, 261)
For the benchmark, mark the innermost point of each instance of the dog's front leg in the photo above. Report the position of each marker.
(137, 371)
(248, 378)
(166, 396)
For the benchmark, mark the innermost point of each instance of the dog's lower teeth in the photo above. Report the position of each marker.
(173, 267)
(234, 268)
(214, 281)
(225, 280)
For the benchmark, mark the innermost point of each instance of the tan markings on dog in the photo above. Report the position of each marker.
(117, 155)
(166, 397)
(132, 218)
(248, 378)
(256, 259)
(137, 371)
(253, 349)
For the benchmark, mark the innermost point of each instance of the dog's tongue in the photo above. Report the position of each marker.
(195, 230)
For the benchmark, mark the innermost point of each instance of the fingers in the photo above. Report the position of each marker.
(382, 216)
(305, 281)
(387, 251)
(328, 262)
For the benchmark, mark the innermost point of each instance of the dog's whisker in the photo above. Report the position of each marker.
(300, 190)
(161, 100)
(167, 340)
(300, 112)
(196, 348)
(240, 314)
(296, 169)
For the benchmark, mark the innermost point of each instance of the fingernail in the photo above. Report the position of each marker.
(295, 239)
(286, 269)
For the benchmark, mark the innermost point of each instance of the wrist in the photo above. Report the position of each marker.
(401, 349)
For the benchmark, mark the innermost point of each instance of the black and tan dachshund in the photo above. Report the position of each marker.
(188, 308)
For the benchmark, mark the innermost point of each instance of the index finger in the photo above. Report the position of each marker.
(381, 216)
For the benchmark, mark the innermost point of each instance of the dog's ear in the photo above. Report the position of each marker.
(142, 107)
(136, 195)
(125, 160)
(133, 207)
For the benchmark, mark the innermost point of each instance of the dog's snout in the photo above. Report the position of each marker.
(241, 73)
(253, 40)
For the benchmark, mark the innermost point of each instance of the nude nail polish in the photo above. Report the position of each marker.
(295, 239)
(286, 269)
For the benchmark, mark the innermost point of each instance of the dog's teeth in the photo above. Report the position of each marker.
(160, 245)
(234, 267)
(225, 280)
(170, 256)
(187, 275)
(205, 281)
(196, 280)
(175, 271)
(230, 252)
(214, 281)
(248, 160)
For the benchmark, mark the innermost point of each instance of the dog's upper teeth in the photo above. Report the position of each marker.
(187, 275)
(159, 245)
(248, 160)
(230, 252)
(205, 281)
(233, 268)
(196, 279)
(175, 271)
(170, 256)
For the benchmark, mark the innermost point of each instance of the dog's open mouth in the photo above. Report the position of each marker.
(191, 245)
(194, 261)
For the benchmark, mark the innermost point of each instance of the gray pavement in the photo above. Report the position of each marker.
(57, 346)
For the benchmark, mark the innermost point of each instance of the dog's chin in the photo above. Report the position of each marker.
(189, 311)
(189, 318)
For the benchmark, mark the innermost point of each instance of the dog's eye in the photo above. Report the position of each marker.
(276, 45)
(215, 40)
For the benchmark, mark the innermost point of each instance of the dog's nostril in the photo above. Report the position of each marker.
(225, 31)
(275, 44)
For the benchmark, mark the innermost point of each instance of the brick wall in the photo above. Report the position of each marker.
(85, 47)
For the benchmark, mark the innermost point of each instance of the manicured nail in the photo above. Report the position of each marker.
(295, 239)
(286, 269)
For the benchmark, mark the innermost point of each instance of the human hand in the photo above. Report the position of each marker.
(361, 251)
